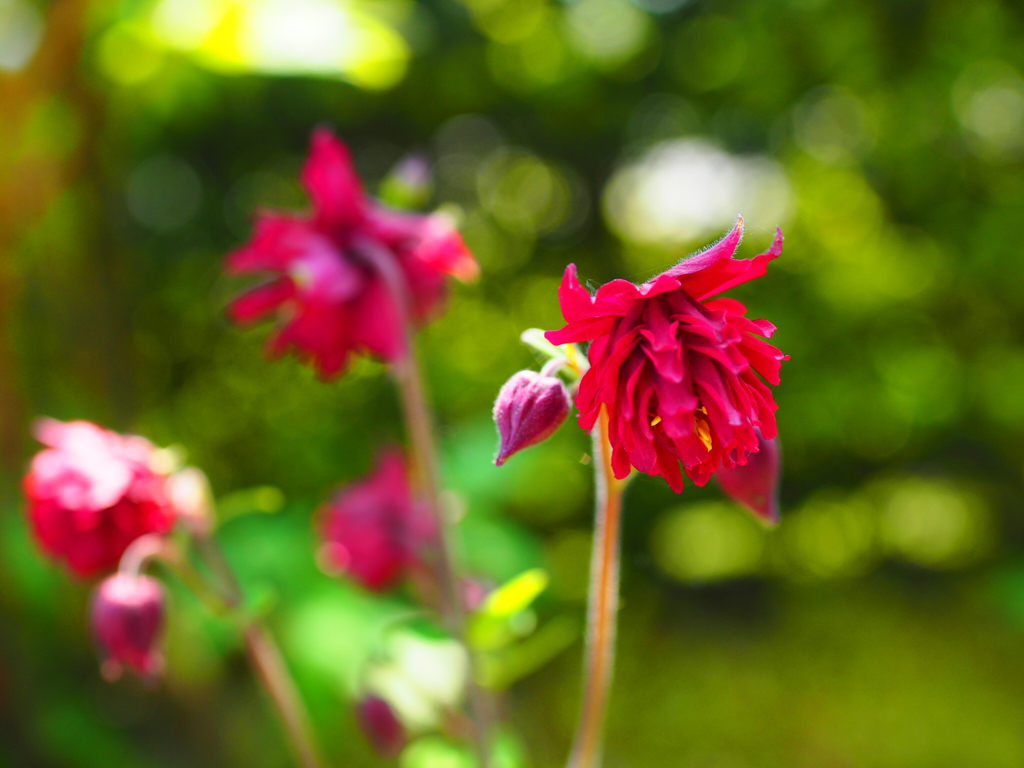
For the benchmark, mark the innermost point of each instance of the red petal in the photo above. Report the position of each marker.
(576, 301)
(724, 273)
(260, 300)
(332, 183)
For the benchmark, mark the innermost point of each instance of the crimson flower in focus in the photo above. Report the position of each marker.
(373, 529)
(92, 492)
(127, 620)
(325, 287)
(678, 371)
(755, 485)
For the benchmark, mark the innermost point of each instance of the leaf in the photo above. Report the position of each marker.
(263, 499)
(534, 337)
(516, 595)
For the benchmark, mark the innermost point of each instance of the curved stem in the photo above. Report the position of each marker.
(264, 655)
(409, 380)
(603, 603)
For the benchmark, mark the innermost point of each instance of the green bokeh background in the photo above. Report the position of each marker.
(881, 625)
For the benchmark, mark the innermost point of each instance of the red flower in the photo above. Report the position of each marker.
(92, 492)
(373, 530)
(127, 621)
(678, 374)
(330, 298)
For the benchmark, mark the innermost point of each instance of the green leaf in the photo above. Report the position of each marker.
(516, 595)
(263, 499)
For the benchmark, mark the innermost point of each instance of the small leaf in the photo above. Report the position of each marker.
(515, 595)
(264, 499)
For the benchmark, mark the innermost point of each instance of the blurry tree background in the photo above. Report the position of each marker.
(882, 624)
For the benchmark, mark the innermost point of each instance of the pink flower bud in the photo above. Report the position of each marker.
(127, 620)
(529, 408)
(755, 484)
(384, 730)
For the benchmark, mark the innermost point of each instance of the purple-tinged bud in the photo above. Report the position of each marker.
(529, 408)
(755, 485)
(127, 621)
(381, 726)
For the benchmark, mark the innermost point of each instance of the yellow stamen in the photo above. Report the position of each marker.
(656, 421)
(704, 432)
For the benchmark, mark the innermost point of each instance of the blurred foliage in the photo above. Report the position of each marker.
(879, 625)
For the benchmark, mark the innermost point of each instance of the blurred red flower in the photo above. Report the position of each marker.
(373, 529)
(327, 293)
(127, 620)
(92, 492)
(677, 373)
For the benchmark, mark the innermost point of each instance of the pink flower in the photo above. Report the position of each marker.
(529, 408)
(755, 485)
(678, 371)
(373, 530)
(127, 620)
(92, 492)
(325, 290)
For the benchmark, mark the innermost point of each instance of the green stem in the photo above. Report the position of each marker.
(264, 655)
(602, 605)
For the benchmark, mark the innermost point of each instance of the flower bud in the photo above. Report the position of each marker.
(529, 408)
(755, 485)
(381, 726)
(127, 620)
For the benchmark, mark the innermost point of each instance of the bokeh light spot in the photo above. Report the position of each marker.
(707, 542)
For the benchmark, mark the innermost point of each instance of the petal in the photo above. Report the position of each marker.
(724, 273)
(275, 243)
(377, 324)
(332, 183)
(723, 250)
(582, 330)
(576, 301)
(755, 485)
(261, 300)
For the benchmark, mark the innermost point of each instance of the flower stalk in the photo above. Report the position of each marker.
(409, 381)
(264, 655)
(221, 591)
(603, 603)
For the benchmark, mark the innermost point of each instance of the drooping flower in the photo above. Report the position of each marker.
(92, 492)
(529, 408)
(127, 621)
(755, 485)
(678, 371)
(326, 289)
(382, 726)
(373, 530)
